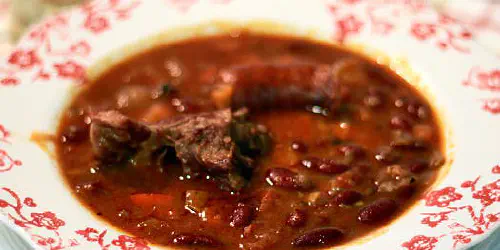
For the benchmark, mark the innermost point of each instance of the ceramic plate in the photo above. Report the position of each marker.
(431, 51)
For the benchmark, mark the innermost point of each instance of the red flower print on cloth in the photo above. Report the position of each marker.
(443, 197)
(423, 31)
(123, 241)
(96, 24)
(447, 206)
(24, 59)
(7, 162)
(70, 69)
(421, 242)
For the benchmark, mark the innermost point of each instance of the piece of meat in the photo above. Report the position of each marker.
(394, 178)
(202, 142)
(114, 136)
(285, 85)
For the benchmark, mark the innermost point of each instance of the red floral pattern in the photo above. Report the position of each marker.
(96, 24)
(486, 81)
(492, 105)
(348, 25)
(52, 223)
(46, 220)
(24, 59)
(435, 219)
(125, 242)
(50, 39)
(483, 80)
(446, 31)
(7, 162)
(81, 48)
(443, 197)
(382, 16)
(70, 69)
(9, 81)
(99, 13)
(4, 134)
(421, 242)
(489, 194)
(423, 31)
(462, 232)
(186, 5)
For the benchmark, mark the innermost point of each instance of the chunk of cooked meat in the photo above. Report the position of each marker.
(202, 142)
(393, 178)
(286, 85)
(115, 137)
(201, 139)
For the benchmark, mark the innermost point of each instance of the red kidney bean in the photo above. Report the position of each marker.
(282, 177)
(242, 215)
(387, 155)
(417, 110)
(418, 167)
(318, 237)
(297, 218)
(299, 146)
(412, 107)
(399, 122)
(324, 165)
(188, 239)
(347, 197)
(378, 211)
(352, 151)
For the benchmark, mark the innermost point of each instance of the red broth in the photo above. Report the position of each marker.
(331, 175)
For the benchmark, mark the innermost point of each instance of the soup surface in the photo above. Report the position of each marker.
(250, 142)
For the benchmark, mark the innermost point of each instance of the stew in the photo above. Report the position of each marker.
(250, 142)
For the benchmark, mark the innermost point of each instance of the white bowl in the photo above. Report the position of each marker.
(432, 52)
